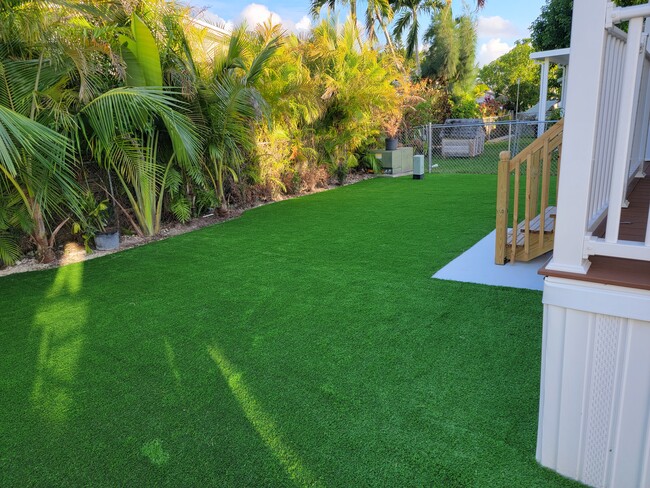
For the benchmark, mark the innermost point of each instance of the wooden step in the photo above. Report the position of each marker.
(549, 226)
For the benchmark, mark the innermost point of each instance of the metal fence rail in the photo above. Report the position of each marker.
(470, 148)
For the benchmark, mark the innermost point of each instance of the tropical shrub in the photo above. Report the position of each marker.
(433, 105)
(464, 107)
(128, 93)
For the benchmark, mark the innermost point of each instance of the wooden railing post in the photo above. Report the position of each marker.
(503, 198)
(533, 191)
(546, 177)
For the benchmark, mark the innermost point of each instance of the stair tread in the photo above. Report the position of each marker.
(549, 226)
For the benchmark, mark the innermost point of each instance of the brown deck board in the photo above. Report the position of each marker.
(629, 273)
(606, 270)
(634, 218)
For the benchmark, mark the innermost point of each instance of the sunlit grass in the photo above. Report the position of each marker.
(59, 322)
(262, 422)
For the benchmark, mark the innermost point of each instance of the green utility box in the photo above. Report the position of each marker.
(399, 161)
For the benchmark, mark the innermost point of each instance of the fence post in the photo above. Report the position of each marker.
(503, 197)
(509, 133)
(430, 138)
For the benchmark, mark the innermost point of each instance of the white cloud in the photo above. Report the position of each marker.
(497, 27)
(303, 24)
(491, 50)
(255, 14)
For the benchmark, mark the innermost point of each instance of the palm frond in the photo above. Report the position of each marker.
(20, 135)
(9, 248)
(412, 37)
(261, 60)
(401, 23)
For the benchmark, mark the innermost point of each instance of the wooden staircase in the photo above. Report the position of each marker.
(534, 235)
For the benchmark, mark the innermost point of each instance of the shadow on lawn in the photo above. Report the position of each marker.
(123, 392)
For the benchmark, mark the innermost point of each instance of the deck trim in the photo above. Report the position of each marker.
(628, 273)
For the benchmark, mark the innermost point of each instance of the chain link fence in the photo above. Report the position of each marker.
(470, 147)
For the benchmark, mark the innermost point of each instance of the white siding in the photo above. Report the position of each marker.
(595, 402)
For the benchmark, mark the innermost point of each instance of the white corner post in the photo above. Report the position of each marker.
(588, 39)
(543, 96)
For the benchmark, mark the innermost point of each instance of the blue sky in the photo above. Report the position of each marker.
(500, 23)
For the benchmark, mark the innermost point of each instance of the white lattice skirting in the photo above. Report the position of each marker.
(594, 419)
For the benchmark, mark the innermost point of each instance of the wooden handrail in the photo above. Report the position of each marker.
(538, 143)
(535, 161)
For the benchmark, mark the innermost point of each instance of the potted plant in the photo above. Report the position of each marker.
(98, 224)
(405, 101)
(108, 238)
(391, 127)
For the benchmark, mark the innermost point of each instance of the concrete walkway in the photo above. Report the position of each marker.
(476, 265)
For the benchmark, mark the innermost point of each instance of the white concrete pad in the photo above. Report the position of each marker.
(397, 175)
(476, 265)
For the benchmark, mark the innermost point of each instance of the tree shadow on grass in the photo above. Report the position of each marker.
(41, 331)
(123, 393)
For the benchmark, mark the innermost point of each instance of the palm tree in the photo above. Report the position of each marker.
(139, 134)
(316, 6)
(407, 12)
(380, 11)
(357, 93)
(229, 102)
(42, 76)
(37, 172)
(125, 128)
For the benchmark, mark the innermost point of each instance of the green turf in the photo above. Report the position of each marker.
(304, 343)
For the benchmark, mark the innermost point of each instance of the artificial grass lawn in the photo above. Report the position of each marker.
(301, 344)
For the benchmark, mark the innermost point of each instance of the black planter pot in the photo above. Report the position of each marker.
(391, 143)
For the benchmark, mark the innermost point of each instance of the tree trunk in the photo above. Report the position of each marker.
(44, 251)
(417, 48)
(389, 42)
(353, 16)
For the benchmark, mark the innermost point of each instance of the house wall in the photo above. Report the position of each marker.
(594, 418)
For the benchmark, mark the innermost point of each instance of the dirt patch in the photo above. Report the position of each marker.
(72, 252)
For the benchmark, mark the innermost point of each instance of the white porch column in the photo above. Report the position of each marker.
(580, 126)
(563, 87)
(543, 96)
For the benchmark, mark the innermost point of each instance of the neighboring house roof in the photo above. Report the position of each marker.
(212, 35)
(557, 56)
(213, 29)
(550, 105)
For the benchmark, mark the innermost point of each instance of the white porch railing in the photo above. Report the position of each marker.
(621, 132)
(610, 98)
